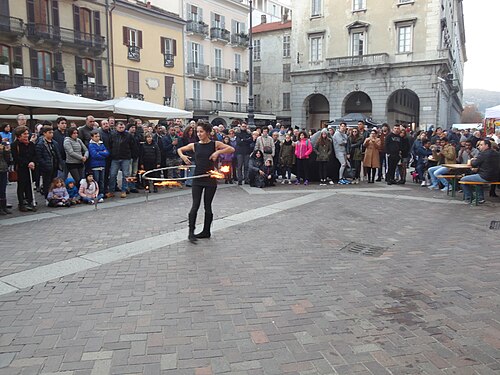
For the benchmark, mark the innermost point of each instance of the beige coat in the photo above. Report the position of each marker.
(372, 157)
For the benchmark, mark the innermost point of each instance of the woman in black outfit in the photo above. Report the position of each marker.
(206, 152)
(23, 153)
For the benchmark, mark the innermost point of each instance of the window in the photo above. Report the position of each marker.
(169, 83)
(85, 21)
(256, 102)
(286, 46)
(286, 72)
(133, 82)
(316, 48)
(256, 74)
(132, 37)
(88, 66)
(286, 101)
(256, 49)
(238, 95)
(237, 61)
(359, 5)
(357, 43)
(316, 8)
(5, 51)
(41, 8)
(195, 53)
(239, 27)
(218, 93)
(218, 58)
(44, 65)
(194, 13)
(197, 92)
(168, 50)
(405, 38)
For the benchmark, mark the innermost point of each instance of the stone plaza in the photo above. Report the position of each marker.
(337, 280)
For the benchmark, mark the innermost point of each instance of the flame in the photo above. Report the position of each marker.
(216, 174)
(141, 171)
(131, 179)
(168, 183)
(225, 169)
(183, 167)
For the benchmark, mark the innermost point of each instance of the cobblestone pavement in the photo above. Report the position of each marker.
(275, 291)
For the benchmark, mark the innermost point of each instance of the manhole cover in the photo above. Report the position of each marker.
(363, 249)
(495, 225)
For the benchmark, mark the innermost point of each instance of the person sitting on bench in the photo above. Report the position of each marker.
(488, 165)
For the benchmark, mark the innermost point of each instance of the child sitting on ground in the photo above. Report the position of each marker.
(268, 170)
(89, 190)
(58, 195)
(74, 198)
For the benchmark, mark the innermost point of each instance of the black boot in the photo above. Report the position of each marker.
(192, 222)
(205, 233)
(3, 207)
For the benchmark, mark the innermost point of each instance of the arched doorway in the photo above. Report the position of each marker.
(219, 121)
(403, 107)
(358, 102)
(317, 111)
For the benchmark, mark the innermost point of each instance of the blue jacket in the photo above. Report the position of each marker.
(72, 192)
(97, 155)
(169, 149)
(422, 153)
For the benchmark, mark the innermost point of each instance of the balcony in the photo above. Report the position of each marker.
(220, 74)
(9, 82)
(92, 91)
(168, 60)
(134, 53)
(211, 106)
(84, 42)
(197, 28)
(239, 40)
(239, 78)
(197, 70)
(11, 26)
(219, 34)
(135, 95)
(354, 62)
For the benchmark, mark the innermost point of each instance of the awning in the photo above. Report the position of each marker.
(258, 116)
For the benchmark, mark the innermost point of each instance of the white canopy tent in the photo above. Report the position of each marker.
(140, 108)
(39, 101)
(493, 112)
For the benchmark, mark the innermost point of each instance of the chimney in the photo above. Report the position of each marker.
(263, 19)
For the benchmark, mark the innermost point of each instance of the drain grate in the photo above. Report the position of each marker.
(363, 249)
(495, 225)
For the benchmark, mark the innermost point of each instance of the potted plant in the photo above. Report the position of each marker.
(58, 72)
(4, 65)
(90, 77)
(18, 68)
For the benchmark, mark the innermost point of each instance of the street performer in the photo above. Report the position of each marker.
(206, 152)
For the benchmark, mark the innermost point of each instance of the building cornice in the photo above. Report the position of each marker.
(151, 12)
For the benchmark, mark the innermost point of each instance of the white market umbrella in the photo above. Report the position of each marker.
(39, 101)
(140, 108)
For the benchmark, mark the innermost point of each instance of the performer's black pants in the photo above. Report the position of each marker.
(208, 197)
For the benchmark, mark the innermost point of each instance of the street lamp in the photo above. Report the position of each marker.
(251, 122)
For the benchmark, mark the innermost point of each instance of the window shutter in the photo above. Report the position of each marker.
(18, 54)
(174, 47)
(97, 23)
(55, 13)
(125, 36)
(200, 14)
(98, 72)
(78, 68)
(233, 26)
(162, 45)
(188, 12)
(139, 37)
(190, 52)
(223, 22)
(212, 19)
(4, 8)
(169, 81)
(201, 55)
(57, 58)
(30, 7)
(34, 63)
(76, 18)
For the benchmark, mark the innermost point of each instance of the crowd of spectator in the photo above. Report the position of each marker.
(70, 165)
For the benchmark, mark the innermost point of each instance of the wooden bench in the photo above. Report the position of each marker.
(477, 185)
(454, 178)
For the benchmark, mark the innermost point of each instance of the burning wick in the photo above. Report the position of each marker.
(216, 174)
(225, 169)
(167, 183)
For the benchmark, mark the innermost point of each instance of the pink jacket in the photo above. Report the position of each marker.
(303, 149)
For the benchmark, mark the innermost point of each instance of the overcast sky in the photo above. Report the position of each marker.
(481, 33)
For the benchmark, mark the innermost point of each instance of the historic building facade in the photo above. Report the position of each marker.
(147, 56)
(393, 61)
(57, 45)
(272, 59)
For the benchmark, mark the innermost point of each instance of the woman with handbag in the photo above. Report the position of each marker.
(373, 147)
(76, 154)
(23, 153)
(4, 174)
